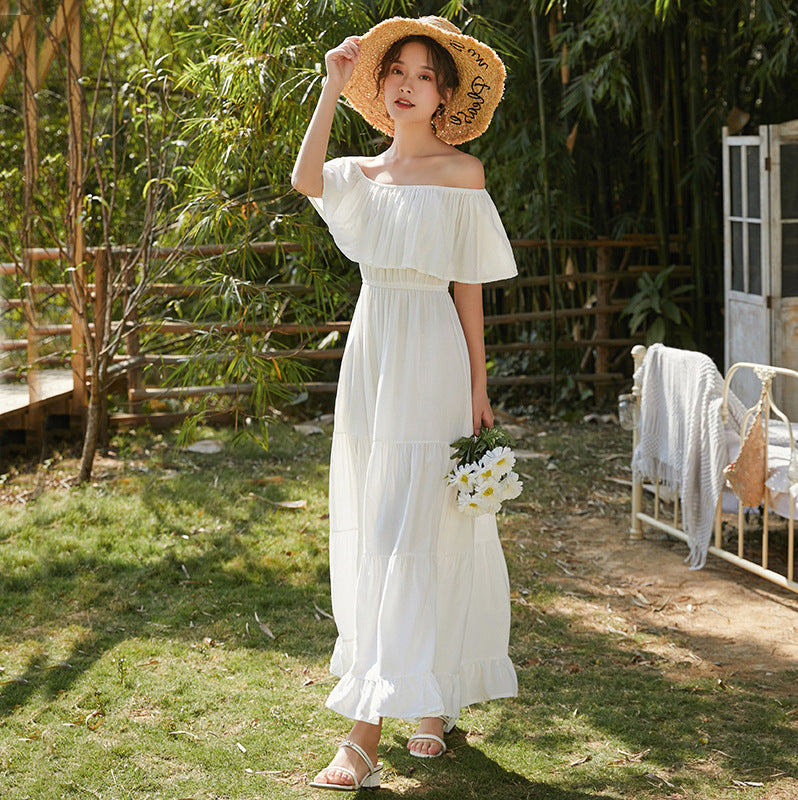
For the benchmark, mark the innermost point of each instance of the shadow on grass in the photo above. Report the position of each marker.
(607, 699)
(200, 552)
(467, 771)
(197, 562)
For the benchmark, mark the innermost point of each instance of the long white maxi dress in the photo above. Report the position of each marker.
(420, 592)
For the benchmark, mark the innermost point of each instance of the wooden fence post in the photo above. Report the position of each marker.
(135, 382)
(602, 318)
(34, 423)
(102, 333)
(77, 255)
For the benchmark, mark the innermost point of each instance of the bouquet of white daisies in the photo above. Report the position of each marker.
(484, 475)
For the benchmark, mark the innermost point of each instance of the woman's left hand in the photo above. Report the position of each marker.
(481, 410)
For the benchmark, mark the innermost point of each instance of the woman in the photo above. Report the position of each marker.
(420, 592)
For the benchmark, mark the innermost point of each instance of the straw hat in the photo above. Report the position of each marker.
(467, 114)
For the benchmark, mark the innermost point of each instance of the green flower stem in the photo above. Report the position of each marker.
(470, 449)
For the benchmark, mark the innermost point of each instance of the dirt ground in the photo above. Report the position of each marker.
(724, 621)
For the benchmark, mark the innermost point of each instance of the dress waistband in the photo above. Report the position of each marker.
(406, 278)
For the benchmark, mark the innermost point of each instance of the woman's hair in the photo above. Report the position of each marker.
(442, 62)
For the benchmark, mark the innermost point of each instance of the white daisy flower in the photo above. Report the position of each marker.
(462, 477)
(510, 486)
(484, 471)
(501, 460)
(487, 494)
(468, 505)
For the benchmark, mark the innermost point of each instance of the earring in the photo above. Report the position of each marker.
(437, 113)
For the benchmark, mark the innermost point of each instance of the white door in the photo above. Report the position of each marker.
(784, 254)
(746, 245)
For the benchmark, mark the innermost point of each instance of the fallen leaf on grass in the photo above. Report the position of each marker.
(562, 566)
(269, 479)
(579, 761)
(206, 446)
(528, 455)
(95, 719)
(241, 747)
(185, 733)
(635, 757)
(264, 627)
(617, 631)
(654, 776)
(308, 428)
(605, 419)
(292, 504)
(323, 612)
(742, 784)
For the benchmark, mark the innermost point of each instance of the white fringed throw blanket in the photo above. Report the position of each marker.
(682, 442)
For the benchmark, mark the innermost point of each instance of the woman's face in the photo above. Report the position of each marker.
(411, 87)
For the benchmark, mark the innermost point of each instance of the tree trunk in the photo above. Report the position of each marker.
(652, 150)
(546, 213)
(697, 143)
(95, 417)
(93, 423)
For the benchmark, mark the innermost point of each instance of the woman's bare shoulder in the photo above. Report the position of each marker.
(461, 170)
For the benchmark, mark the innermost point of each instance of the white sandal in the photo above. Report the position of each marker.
(429, 737)
(371, 780)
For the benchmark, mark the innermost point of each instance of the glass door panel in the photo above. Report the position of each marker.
(789, 181)
(789, 259)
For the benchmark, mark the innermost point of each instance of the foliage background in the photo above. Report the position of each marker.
(615, 128)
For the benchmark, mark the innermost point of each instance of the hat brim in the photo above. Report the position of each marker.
(470, 109)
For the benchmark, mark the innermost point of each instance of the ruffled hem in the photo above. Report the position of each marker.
(417, 696)
(450, 233)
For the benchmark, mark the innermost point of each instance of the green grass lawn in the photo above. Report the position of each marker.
(164, 633)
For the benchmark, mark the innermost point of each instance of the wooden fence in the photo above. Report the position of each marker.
(580, 302)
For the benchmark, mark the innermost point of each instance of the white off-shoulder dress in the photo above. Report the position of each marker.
(420, 592)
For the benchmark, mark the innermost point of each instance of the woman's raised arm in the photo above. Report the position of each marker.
(306, 176)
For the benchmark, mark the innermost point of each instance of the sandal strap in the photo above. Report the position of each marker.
(361, 752)
(355, 782)
(430, 737)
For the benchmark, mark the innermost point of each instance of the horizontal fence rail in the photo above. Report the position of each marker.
(512, 310)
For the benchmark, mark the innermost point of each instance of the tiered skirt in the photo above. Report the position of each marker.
(420, 591)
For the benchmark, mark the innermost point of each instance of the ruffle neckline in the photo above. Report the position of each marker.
(448, 232)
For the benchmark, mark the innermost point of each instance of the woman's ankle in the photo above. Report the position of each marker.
(367, 735)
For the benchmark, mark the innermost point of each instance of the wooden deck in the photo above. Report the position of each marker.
(54, 385)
